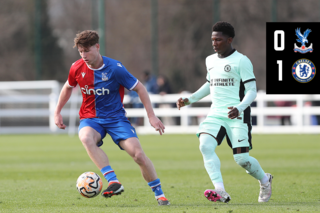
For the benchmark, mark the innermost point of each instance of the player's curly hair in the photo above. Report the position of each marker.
(224, 27)
(86, 39)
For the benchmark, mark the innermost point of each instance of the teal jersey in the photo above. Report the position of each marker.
(227, 77)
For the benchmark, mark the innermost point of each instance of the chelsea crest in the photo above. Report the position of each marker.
(303, 70)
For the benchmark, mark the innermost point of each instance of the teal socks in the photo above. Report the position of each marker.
(250, 164)
(207, 147)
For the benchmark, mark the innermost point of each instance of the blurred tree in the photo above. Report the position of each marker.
(17, 49)
(68, 18)
(184, 31)
(52, 66)
(185, 42)
(16, 61)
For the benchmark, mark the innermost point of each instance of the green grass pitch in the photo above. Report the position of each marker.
(39, 172)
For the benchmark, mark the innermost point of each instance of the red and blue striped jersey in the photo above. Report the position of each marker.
(102, 89)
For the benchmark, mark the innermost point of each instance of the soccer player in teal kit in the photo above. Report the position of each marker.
(232, 87)
(102, 81)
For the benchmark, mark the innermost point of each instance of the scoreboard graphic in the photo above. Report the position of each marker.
(293, 56)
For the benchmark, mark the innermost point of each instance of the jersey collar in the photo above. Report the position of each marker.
(228, 54)
(100, 68)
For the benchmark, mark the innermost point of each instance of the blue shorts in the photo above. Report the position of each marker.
(118, 128)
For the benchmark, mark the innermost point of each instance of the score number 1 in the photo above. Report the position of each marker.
(278, 47)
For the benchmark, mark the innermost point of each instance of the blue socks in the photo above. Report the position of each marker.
(156, 188)
(109, 174)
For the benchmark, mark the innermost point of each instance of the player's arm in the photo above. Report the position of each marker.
(250, 94)
(246, 73)
(144, 97)
(65, 94)
(198, 95)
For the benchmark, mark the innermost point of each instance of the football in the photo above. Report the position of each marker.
(89, 184)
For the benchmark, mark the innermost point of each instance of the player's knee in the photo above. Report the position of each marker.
(242, 160)
(207, 144)
(87, 141)
(139, 157)
(206, 148)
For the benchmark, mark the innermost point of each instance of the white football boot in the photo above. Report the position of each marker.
(266, 190)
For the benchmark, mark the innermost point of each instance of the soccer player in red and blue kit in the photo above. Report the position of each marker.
(102, 81)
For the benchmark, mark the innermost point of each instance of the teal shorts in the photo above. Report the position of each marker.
(237, 132)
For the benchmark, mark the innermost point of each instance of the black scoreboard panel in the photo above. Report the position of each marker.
(292, 64)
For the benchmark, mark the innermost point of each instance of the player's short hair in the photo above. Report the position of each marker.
(86, 39)
(224, 27)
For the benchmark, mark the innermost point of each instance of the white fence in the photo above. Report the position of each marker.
(11, 93)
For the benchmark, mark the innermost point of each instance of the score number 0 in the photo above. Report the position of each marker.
(278, 47)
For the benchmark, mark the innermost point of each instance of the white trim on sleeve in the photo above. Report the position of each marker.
(69, 84)
(134, 85)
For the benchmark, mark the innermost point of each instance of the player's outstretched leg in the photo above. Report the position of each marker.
(134, 149)
(253, 168)
(114, 187)
(89, 138)
(207, 147)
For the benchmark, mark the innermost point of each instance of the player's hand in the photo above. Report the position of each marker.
(181, 102)
(233, 113)
(59, 121)
(157, 124)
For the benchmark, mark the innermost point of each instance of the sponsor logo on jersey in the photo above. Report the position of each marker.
(83, 74)
(104, 76)
(222, 82)
(303, 40)
(227, 68)
(101, 91)
(303, 70)
(211, 68)
(119, 65)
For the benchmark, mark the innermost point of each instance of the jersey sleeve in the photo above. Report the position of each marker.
(208, 77)
(200, 93)
(250, 95)
(208, 74)
(125, 78)
(72, 77)
(246, 70)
